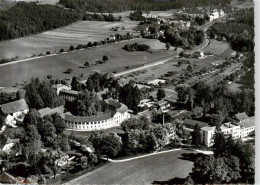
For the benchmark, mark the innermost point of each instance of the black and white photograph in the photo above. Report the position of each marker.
(131, 92)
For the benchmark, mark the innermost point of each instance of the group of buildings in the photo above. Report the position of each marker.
(116, 113)
(241, 128)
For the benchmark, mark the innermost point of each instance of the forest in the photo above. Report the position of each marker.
(29, 18)
(146, 5)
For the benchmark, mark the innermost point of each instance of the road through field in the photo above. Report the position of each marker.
(140, 171)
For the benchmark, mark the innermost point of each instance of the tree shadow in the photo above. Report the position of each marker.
(175, 180)
(190, 156)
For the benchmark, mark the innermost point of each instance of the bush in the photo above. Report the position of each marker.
(136, 47)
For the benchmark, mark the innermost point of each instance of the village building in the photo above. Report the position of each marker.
(103, 120)
(6, 144)
(14, 111)
(163, 106)
(146, 103)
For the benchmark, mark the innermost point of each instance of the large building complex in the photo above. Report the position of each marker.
(243, 127)
(113, 117)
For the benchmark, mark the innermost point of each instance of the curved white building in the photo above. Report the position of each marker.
(112, 118)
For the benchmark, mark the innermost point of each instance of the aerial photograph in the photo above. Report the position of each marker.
(132, 92)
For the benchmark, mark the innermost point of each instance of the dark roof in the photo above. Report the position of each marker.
(72, 92)
(122, 108)
(14, 106)
(192, 122)
(241, 116)
(87, 118)
(49, 111)
(250, 122)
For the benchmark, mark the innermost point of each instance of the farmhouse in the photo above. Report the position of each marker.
(111, 118)
(14, 111)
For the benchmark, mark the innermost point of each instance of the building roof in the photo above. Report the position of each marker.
(49, 111)
(72, 118)
(72, 92)
(241, 116)
(15, 106)
(250, 122)
(192, 122)
(208, 128)
(122, 108)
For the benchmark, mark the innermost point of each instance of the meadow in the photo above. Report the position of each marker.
(119, 60)
(80, 32)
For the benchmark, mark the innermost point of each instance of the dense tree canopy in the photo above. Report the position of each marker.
(29, 18)
(40, 94)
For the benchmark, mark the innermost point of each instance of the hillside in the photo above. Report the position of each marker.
(29, 18)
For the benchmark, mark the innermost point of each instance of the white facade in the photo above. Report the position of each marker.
(227, 129)
(11, 119)
(60, 87)
(114, 121)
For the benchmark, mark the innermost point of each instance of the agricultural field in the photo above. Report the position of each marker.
(119, 60)
(80, 32)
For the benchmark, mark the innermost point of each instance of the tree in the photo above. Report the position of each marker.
(47, 132)
(32, 118)
(105, 58)
(131, 96)
(58, 123)
(196, 136)
(86, 64)
(183, 91)
(72, 48)
(216, 120)
(219, 146)
(160, 94)
(31, 142)
(141, 123)
(107, 144)
(168, 45)
(20, 94)
(69, 71)
(189, 68)
(75, 85)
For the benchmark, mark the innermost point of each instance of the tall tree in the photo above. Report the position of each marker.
(196, 136)
(160, 94)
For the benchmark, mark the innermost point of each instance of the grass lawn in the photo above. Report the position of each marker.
(57, 65)
(140, 171)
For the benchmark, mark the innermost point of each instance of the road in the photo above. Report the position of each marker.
(150, 64)
(140, 171)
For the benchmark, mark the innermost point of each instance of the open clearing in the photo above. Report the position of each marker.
(119, 59)
(146, 170)
(217, 47)
(81, 32)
